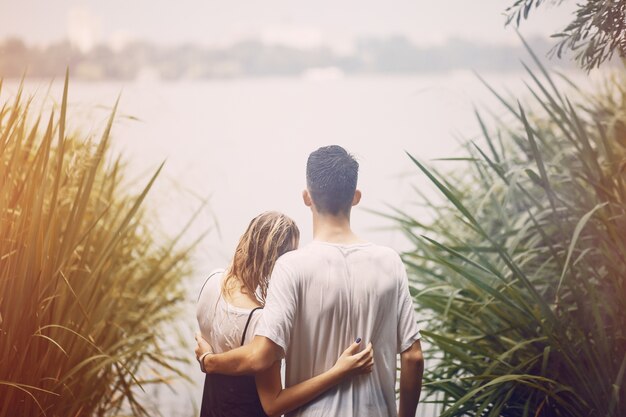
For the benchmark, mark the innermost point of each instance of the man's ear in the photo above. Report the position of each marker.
(306, 197)
(357, 197)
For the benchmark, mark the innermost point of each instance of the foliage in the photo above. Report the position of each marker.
(597, 32)
(84, 288)
(521, 274)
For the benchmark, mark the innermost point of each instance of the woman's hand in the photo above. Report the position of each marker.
(352, 362)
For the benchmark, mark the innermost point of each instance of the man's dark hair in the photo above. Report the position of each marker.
(331, 176)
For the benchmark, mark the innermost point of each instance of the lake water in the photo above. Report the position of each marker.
(243, 144)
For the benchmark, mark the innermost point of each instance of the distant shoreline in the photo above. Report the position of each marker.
(272, 77)
(144, 61)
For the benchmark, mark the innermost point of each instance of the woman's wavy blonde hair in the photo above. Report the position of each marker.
(269, 235)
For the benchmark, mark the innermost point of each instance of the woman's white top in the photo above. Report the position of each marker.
(222, 324)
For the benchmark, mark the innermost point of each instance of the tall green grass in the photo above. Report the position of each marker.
(85, 290)
(521, 274)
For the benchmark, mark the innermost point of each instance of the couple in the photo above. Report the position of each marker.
(307, 306)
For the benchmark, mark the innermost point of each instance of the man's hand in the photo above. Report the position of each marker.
(203, 349)
(203, 346)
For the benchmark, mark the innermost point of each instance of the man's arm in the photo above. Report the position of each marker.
(411, 371)
(252, 358)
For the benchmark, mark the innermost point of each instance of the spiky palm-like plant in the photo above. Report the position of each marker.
(522, 272)
(85, 288)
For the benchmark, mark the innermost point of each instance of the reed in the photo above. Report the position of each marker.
(521, 276)
(85, 290)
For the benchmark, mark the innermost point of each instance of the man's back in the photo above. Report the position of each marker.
(320, 299)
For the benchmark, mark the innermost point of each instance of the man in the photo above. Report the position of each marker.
(324, 295)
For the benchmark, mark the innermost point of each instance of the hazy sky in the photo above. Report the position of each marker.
(297, 22)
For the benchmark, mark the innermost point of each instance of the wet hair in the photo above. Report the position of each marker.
(268, 236)
(331, 176)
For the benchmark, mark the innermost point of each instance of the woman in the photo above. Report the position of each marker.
(229, 307)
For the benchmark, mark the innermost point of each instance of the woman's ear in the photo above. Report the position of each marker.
(306, 197)
(357, 197)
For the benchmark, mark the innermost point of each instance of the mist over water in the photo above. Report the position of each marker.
(243, 144)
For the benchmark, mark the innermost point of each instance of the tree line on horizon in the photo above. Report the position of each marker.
(253, 58)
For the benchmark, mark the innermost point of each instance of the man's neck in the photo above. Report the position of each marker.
(333, 229)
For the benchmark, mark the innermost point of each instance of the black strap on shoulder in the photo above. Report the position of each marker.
(245, 329)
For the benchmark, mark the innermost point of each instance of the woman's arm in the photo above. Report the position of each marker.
(277, 401)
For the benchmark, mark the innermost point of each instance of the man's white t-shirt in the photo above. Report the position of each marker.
(320, 299)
